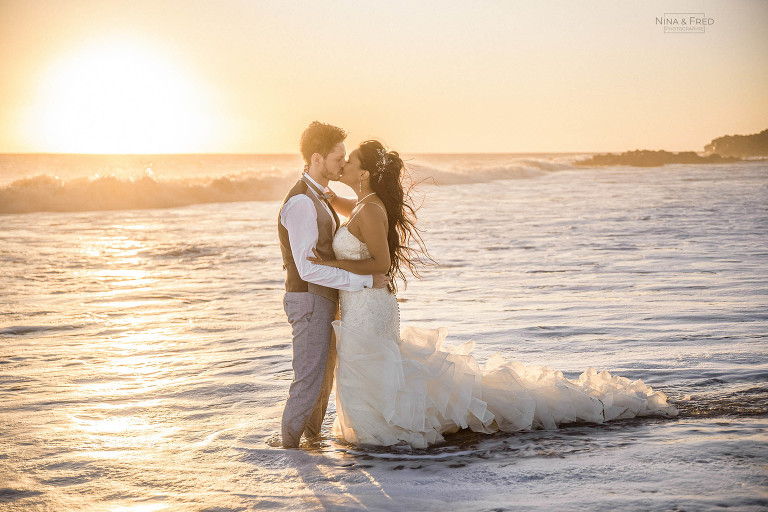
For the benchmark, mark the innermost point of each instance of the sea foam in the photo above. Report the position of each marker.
(47, 193)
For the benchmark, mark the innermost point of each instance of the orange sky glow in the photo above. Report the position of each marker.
(246, 76)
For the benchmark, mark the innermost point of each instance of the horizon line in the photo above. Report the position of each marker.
(297, 154)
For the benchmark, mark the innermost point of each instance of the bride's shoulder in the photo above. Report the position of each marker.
(372, 212)
(367, 217)
(375, 212)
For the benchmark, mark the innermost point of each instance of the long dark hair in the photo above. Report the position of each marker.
(388, 180)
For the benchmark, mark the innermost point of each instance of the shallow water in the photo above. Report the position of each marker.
(145, 357)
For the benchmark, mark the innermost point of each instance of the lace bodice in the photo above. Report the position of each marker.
(346, 246)
(371, 310)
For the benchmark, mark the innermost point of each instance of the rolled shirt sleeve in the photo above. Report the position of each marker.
(299, 217)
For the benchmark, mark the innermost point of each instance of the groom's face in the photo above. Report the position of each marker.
(334, 162)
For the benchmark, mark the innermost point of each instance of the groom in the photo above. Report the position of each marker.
(308, 221)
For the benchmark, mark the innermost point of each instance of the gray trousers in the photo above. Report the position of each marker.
(314, 361)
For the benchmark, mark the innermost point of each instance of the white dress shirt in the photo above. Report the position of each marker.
(299, 217)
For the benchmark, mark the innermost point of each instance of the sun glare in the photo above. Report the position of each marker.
(120, 96)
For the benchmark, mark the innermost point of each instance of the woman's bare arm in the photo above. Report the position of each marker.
(343, 205)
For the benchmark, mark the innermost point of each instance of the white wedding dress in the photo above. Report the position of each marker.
(393, 387)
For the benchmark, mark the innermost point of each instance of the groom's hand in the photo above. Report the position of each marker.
(380, 280)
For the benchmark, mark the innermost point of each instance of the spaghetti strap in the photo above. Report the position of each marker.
(377, 204)
(382, 208)
(360, 209)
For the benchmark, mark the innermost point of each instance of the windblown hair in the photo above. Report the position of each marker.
(388, 180)
(320, 138)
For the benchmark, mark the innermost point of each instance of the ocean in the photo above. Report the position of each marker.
(145, 356)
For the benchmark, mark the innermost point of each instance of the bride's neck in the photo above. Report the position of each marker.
(366, 192)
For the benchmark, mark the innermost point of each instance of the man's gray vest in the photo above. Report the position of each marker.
(293, 282)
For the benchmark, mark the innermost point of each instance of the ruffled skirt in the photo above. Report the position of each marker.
(415, 391)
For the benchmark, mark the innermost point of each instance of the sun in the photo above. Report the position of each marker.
(122, 96)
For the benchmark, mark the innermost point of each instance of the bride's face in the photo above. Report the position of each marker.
(351, 174)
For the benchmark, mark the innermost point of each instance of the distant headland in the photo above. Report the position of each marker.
(739, 145)
(647, 158)
(725, 149)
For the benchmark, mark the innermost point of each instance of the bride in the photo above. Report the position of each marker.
(406, 387)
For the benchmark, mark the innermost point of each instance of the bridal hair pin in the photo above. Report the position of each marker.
(381, 163)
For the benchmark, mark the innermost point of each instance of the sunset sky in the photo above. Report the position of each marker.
(246, 76)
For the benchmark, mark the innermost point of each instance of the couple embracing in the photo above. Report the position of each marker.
(396, 387)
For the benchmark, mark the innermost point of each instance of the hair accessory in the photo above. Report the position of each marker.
(381, 163)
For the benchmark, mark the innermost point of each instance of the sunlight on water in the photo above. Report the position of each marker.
(109, 426)
(149, 507)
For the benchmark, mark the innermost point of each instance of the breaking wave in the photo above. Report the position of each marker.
(485, 168)
(45, 193)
